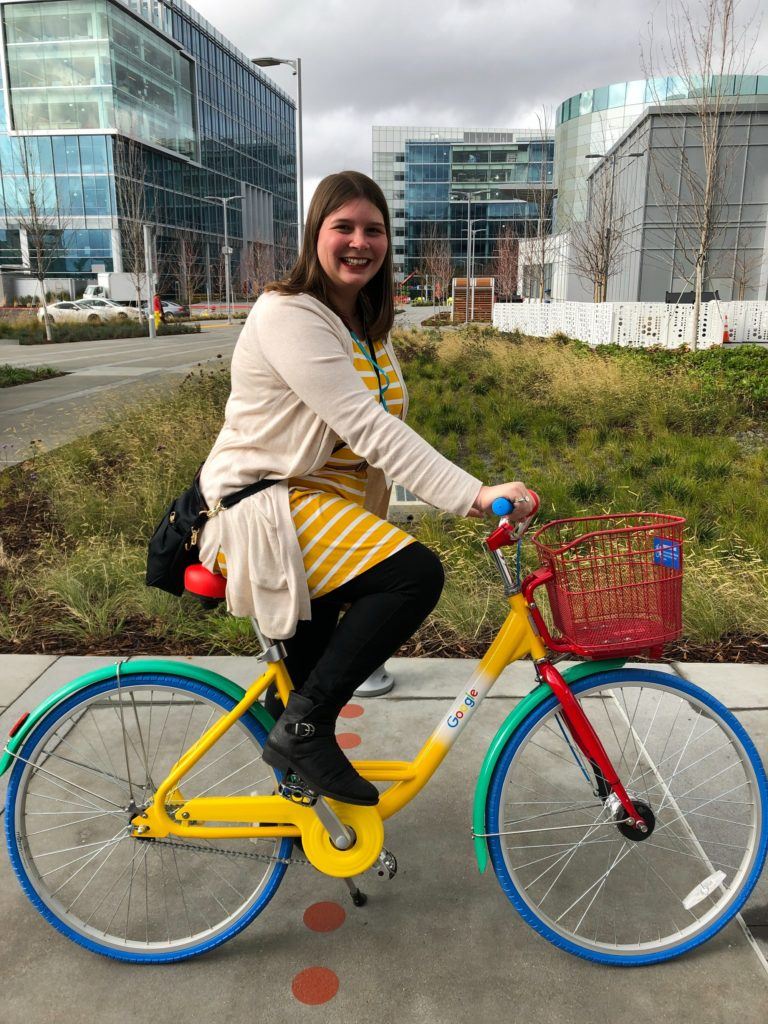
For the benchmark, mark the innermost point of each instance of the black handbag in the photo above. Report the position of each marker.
(173, 545)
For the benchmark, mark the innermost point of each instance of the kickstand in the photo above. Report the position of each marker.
(358, 897)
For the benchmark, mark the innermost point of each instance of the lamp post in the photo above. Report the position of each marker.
(468, 197)
(608, 228)
(470, 243)
(474, 231)
(226, 250)
(295, 63)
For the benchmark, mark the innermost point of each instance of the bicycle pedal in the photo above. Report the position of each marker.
(386, 865)
(296, 790)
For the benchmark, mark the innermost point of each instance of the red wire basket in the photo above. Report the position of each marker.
(617, 581)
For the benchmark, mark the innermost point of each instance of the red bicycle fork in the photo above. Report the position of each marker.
(586, 738)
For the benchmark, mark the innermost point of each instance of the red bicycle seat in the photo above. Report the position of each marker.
(198, 580)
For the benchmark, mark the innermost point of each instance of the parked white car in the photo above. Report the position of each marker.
(58, 312)
(109, 309)
(88, 311)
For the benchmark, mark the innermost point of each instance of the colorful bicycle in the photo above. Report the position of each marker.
(623, 809)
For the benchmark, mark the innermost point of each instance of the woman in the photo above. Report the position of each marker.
(318, 402)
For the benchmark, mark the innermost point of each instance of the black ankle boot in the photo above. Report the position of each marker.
(303, 741)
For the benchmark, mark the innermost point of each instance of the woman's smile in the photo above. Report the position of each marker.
(351, 247)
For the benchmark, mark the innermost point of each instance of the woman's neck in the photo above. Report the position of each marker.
(348, 308)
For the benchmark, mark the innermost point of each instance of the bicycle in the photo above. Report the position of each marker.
(623, 810)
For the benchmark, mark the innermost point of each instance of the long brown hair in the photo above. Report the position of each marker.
(307, 276)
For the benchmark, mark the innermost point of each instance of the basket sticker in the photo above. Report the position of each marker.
(666, 552)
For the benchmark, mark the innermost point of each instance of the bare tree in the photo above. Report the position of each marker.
(38, 217)
(706, 45)
(191, 266)
(436, 260)
(133, 210)
(598, 244)
(507, 259)
(257, 267)
(541, 243)
(747, 268)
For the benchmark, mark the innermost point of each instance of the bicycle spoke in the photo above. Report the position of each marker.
(605, 888)
(119, 890)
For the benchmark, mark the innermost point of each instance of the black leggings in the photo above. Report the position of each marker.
(327, 659)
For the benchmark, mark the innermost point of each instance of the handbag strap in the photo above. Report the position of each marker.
(232, 499)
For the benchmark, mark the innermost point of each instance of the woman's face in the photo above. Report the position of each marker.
(351, 246)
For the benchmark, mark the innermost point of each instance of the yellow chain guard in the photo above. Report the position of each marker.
(322, 854)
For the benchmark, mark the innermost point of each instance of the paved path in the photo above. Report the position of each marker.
(100, 376)
(439, 943)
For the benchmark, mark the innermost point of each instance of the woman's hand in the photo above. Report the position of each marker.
(515, 491)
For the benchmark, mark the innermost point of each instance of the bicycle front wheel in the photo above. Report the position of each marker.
(596, 887)
(80, 778)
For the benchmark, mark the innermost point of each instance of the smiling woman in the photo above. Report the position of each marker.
(318, 405)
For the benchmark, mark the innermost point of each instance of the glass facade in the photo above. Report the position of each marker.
(88, 64)
(86, 74)
(427, 175)
(594, 120)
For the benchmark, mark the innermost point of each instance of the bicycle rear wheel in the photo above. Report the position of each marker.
(82, 773)
(600, 889)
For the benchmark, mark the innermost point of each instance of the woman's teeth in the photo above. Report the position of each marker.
(354, 261)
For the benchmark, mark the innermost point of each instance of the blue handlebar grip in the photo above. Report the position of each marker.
(502, 506)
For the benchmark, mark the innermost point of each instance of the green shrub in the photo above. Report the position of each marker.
(32, 332)
(10, 376)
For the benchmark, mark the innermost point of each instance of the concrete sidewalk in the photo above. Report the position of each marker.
(438, 943)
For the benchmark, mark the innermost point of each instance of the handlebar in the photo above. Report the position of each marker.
(507, 533)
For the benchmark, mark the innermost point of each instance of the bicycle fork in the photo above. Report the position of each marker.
(588, 741)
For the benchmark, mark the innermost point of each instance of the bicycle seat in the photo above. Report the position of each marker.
(210, 587)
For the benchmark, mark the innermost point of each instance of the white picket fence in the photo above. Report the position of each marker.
(637, 324)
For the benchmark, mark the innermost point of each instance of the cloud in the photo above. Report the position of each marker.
(489, 64)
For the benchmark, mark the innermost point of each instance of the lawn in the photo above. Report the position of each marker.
(591, 431)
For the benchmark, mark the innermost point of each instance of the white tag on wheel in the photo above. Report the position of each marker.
(703, 889)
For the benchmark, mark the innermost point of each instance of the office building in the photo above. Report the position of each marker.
(444, 183)
(653, 175)
(594, 120)
(89, 84)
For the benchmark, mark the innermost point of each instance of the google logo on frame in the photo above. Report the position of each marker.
(470, 700)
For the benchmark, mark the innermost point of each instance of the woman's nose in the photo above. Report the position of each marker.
(358, 239)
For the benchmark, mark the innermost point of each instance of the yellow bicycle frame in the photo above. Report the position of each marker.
(516, 639)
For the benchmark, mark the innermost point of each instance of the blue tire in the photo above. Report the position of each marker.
(75, 765)
(592, 884)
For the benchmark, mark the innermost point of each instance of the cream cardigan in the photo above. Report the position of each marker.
(295, 393)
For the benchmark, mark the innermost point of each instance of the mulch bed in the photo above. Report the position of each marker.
(136, 639)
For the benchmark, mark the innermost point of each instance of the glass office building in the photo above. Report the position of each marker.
(80, 78)
(438, 180)
(594, 120)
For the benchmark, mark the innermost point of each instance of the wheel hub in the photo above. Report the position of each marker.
(631, 831)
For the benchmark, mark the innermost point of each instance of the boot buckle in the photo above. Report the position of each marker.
(301, 729)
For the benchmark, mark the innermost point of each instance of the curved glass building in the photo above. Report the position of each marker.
(593, 120)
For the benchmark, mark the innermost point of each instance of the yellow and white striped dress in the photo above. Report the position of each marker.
(339, 539)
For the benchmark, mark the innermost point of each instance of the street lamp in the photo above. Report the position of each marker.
(470, 247)
(226, 250)
(607, 253)
(295, 63)
(475, 231)
(468, 197)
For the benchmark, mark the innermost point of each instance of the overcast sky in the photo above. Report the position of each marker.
(470, 64)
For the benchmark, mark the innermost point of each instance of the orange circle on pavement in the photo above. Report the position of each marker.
(324, 917)
(347, 740)
(315, 985)
(351, 711)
